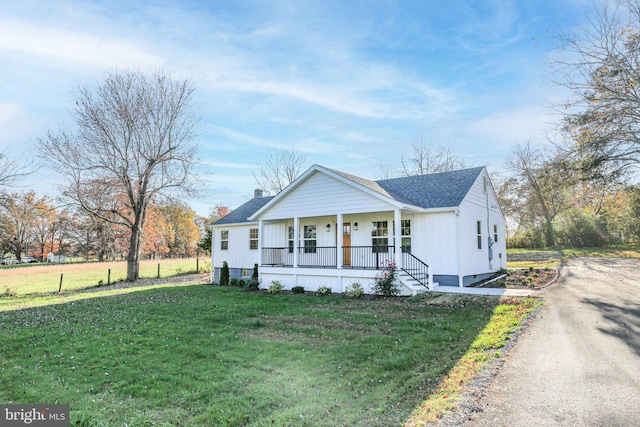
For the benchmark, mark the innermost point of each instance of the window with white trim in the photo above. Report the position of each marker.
(224, 240)
(380, 236)
(495, 233)
(246, 272)
(309, 237)
(405, 226)
(479, 231)
(253, 238)
(290, 235)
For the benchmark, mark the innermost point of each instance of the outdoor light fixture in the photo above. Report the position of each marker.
(328, 227)
(355, 226)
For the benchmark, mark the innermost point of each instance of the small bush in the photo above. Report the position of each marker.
(385, 283)
(298, 289)
(254, 275)
(503, 284)
(507, 271)
(224, 274)
(251, 286)
(354, 290)
(275, 287)
(324, 290)
(236, 282)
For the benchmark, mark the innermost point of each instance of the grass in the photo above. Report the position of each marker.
(552, 257)
(45, 278)
(506, 319)
(209, 355)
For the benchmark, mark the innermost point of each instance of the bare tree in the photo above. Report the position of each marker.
(279, 169)
(133, 141)
(427, 158)
(601, 68)
(540, 187)
(11, 170)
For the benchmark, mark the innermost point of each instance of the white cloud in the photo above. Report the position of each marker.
(76, 47)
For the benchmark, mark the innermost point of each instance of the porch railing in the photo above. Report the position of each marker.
(318, 256)
(360, 257)
(367, 257)
(277, 257)
(415, 268)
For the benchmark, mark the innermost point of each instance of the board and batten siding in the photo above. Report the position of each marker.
(481, 206)
(323, 195)
(238, 255)
(433, 240)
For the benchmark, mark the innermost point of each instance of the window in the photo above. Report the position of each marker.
(405, 226)
(309, 239)
(479, 231)
(290, 238)
(380, 236)
(224, 240)
(246, 272)
(253, 238)
(495, 233)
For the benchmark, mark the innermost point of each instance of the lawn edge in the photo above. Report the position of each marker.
(457, 395)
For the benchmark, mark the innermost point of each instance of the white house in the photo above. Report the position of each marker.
(329, 228)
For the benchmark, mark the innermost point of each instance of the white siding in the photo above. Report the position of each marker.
(481, 206)
(323, 195)
(434, 241)
(238, 255)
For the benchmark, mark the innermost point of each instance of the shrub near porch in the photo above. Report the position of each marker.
(205, 355)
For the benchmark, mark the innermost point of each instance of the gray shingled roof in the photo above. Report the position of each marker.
(437, 190)
(372, 185)
(243, 212)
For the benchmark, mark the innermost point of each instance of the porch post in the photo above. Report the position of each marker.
(397, 230)
(339, 242)
(296, 240)
(260, 232)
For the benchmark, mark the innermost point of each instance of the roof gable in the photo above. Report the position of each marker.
(432, 191)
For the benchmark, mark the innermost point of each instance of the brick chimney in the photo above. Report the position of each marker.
(258, 192)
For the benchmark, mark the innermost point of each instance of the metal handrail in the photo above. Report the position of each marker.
(415, 268)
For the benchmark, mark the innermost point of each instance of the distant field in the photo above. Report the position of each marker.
(43, 278)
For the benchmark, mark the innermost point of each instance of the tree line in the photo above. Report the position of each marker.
(32, 225)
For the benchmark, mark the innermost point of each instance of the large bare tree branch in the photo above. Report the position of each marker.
(279, 169)
(133, 141)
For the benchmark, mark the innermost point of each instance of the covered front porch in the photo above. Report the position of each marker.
(331, 248)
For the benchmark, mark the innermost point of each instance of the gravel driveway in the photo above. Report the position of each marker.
(578, 364)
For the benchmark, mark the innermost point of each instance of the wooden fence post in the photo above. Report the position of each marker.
(108, 277)
(158, 270)
(60, 287)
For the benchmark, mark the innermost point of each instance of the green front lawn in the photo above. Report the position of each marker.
(207, 355)
(25, 279)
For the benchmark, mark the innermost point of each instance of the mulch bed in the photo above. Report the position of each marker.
(525, 278)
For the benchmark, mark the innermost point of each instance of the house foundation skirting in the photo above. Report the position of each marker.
(313, 278)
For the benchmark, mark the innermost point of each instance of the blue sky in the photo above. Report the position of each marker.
(349, 83)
